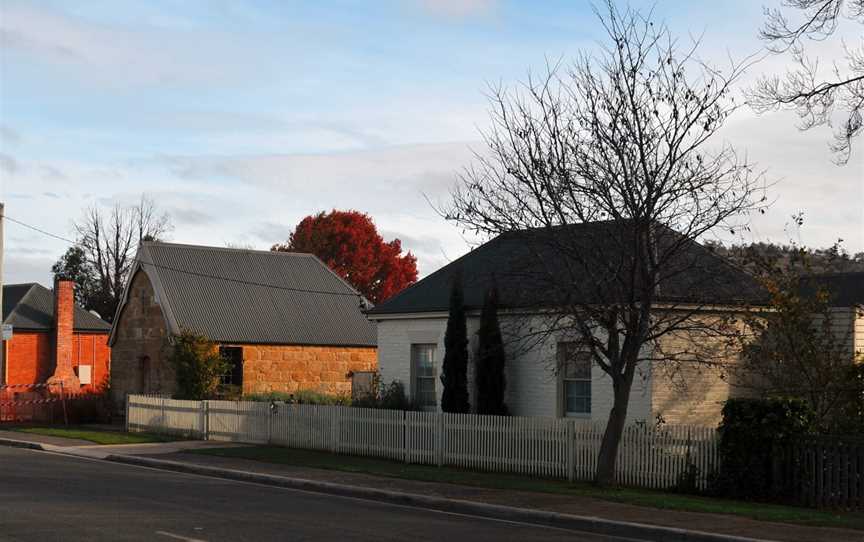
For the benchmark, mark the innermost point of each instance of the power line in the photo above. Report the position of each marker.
(194, 273)
(43, 232)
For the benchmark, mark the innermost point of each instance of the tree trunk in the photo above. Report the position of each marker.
(608, 456)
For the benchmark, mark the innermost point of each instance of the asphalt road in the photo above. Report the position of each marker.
(46, 496)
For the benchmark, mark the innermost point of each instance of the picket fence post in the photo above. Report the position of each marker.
(439, 439)
(128, 412)
(205, 406)
(571, 460)
(334, 428)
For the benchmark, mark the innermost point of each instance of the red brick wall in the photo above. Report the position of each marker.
(30, 357)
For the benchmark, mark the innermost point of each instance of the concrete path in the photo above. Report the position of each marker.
(43, 439)
(85, 448)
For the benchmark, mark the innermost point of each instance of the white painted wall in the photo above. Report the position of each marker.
(532, 385)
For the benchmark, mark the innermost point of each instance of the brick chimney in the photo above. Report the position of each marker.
(64, 309)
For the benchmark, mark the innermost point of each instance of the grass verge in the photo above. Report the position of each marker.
(97, 436)
(640, 497)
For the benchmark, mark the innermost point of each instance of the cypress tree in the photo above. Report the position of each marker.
(454, 368)
(490, 377)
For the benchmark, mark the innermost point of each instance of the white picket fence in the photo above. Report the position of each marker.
(650, 457)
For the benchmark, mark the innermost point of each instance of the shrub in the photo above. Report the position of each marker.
(751, 432)
(454, 368)
(303, 397)
(384, 396)
(197, 365)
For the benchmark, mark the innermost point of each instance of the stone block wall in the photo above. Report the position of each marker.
(289, 368)
(139, 364)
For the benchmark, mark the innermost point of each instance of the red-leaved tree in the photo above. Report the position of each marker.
(349, 243)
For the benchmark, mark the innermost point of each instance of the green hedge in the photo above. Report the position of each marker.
(750, 433)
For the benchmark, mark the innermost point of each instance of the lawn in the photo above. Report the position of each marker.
(656, 499)
(97, 436)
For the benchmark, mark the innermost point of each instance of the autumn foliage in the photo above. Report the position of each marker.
(349, 243)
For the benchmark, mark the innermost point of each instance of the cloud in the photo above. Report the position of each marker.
(271, 232)
(51, 195)
(115, 55)
(9, 136)
(458, 9)
(18, 269)
(9, 164)
(187, 216)
(415, 243)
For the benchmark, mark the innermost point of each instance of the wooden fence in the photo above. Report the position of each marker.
(821, 471)
(649, 457)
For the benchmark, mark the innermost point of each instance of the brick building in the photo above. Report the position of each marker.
(284, 320)
(53, 339)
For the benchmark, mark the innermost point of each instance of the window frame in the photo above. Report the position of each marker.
(227, 379)
(416, 377)
(571, 349)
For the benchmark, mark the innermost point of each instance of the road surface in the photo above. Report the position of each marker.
(45, 496)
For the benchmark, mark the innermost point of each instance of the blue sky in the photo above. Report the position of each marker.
(240, 118)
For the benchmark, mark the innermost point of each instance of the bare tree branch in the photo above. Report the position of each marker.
(815, 96)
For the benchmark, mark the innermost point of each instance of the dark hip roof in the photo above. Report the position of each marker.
(255, 297)
(844, 289)
(528, 267)
(31, 307)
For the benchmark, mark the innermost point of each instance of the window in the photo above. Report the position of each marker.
(425, 374)
(574, 366)
(234, 356)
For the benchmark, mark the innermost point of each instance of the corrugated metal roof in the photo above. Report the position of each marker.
(249, 296)
(532, 269)
(31, 307)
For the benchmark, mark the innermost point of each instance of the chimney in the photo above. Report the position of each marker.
(64, 309)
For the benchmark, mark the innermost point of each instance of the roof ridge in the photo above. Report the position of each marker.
(226, 249)
(12, 310)
(441, 269)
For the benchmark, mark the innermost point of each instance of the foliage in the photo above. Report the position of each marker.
(105, 252)
(349, 243)
(622, 139)
(755, 256)
(197, 365)
(384, 396)
(813, 91)
(750, 433)
(490, 364)
(301, 397)
(73, 265)
(850, 415)
(454, 368)
(797, 348)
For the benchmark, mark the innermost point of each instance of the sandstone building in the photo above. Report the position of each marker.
(284, 320)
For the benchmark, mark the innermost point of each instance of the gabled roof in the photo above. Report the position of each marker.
(31, 307)
(844, 289)
(250, 296)
(528, 266)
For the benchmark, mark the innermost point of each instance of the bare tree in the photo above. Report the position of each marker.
(110, 240)
(604, 167)
(808, 89)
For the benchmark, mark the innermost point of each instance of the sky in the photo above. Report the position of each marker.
(240, 118)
